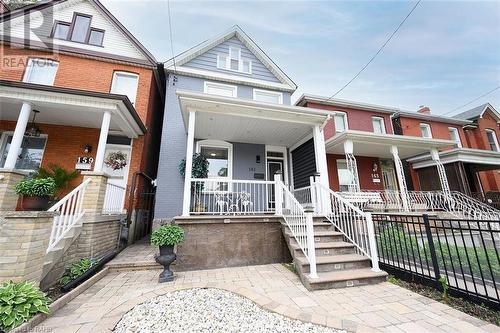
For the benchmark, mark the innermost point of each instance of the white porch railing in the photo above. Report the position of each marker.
(71, 211)
(114, 199)
(303, 195)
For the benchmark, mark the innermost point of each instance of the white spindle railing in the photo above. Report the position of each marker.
(114, 199)
(70, 210)
(303, 195)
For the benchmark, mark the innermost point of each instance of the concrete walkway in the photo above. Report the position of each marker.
(378, 308)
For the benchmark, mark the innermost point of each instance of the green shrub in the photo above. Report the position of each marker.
(19, 301)
(36, 187)
(169, 234)
(61, 176)
(77, 269)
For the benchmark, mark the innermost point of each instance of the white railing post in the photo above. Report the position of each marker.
(189, 164)
(314, 191)
(311, 246)
(372, 241)
(278, 195)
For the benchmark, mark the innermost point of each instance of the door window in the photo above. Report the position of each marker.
(31, 154)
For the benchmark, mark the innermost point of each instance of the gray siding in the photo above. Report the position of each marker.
(244, 160)
(208, 61)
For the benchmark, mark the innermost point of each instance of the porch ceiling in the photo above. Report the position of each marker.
(484, 159)
(379, 145)
(238, 120)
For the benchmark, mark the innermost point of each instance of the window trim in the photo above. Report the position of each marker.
(338, 175)
(129, 74)
(384, 130)
(346, 123)
(495, 139)
(430, 130)
(227, 65)
(29, 69)
(206, 84)
(219, 144)
(3, 145)
(269, 92)
(53, 32)
(97, 30)
(455, 130)
(72, 26)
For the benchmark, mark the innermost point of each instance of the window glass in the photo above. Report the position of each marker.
(221, 61)
(234, 56)
(96, 37)
(80, 29)
(125, 84)
(492, 140)
(455, 136)
(246, 66)
(220, 89)
(269, 97)
(31, 153)
(340, 125)
(346, 177)
(378, 125)
(217, 161)
(41, 71)
(426, 130)
(61, 31)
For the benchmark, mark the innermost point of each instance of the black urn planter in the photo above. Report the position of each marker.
(166, 258)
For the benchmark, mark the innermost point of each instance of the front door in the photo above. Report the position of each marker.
(388, 175)
(273, 166)
(117, 165)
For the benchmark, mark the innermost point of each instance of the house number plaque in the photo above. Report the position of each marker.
(84, 163)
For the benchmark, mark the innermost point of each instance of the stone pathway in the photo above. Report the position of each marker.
(383, 307)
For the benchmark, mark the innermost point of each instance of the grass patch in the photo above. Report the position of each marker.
(291, 267)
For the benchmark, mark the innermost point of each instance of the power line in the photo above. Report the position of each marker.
(475, 99)
(170, 32)
(376, 54)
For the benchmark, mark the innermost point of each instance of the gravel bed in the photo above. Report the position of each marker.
(208, 311)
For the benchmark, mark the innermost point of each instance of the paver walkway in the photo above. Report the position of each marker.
(383, 307)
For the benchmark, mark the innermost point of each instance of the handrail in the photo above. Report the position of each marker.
(114, 199)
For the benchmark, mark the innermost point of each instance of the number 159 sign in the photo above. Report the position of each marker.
(84, 163)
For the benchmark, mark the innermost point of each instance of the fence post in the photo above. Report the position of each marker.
(311, 247)
(314, 201)
(278, 195)
(432, 249)
(372, 241)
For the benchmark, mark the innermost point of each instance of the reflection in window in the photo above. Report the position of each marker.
(346, 177)
(217, 161)
(30, 157)
(340, 120)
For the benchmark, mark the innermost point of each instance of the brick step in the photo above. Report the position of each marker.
(339, 262)
(342, 279)
(327, 248)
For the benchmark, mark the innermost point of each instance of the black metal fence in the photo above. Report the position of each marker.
(141, 205)
(426, 248)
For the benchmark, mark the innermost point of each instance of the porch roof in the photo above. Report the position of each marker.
(480, 157)
(241, 120)
(71, 107)
(379, 145)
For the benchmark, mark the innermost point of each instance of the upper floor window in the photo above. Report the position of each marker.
(378, 125)
(78, 30)
(426, 130)
(268, 96)
(220, 89)
(492, 140)
(41, 71)
(455, 136)
(234, 62)
(125, 84)
(340, 120)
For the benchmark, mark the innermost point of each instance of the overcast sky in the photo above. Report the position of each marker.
(445, 55)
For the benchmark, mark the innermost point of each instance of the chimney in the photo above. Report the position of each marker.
(424, 109)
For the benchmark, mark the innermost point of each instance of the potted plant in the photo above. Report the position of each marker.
(166, 237)
(35, 193)
(61, 176)
(199, 170)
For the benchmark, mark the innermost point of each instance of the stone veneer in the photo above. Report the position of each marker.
(9, 197)
(95, 192)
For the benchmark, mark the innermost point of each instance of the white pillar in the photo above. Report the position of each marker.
(17, 138)
(321, 168)
(278, 195)
(103, 138)
(189, 164)
(441, 172)
(352, 166)
(311, 246)
(401, 178)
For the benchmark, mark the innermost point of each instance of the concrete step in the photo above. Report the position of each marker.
(327, 248)
(342, 279)
(340, 262)
(321, 236)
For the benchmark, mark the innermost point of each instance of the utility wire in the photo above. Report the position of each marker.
(171, 38)
(376, 54)
(472, 101)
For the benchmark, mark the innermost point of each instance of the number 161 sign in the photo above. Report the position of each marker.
(84, 163)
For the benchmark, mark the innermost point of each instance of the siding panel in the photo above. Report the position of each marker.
(304, 164)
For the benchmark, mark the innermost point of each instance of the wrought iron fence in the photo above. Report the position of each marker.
(489, 198)
(427, 248)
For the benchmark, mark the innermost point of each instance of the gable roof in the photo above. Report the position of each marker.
(477, 112)
(38, 6)
(237, 32)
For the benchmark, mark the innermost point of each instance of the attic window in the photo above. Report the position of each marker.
(79, 30)
(232, 61)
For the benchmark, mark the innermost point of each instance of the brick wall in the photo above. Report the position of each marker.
(365, 171)
(411, 127)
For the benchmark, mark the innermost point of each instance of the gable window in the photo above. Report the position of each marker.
(96, 37)
(78, 30)
(268, 96)
(426, 130)
(61, 30)
(340, 120)
(492, 140)
(220, 89)
(31, 153)
(41, 71)
(125, 84)
(233, 61)
(455, 136)
(378, 125)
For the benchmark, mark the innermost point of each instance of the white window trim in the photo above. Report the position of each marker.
(428, 127)
(126, 74)
(220, 85)
(29, 68)
(346, 122)
(268, 92)
(3, 144)
(227, 65)
(219, 144)
(455, 130)
(495, 139)
(383, 124)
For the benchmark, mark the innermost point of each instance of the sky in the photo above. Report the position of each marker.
(445, 55)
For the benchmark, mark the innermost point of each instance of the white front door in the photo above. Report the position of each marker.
(116, 165)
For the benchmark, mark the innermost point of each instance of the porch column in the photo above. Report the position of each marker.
(17, 138)
(351, 165)
(441, 172)
(103, 138)
(189, 164)
(401, 178)
(321, 167)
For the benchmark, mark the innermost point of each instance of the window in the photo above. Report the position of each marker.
(78, 30)
(61, 30)
(96, 37)
(125, 84)
(233, 61)
(219, 155)
(225, 90)
(426, 130)
(378, 125)
(31, 154)
(455, 136)
(346, 177)
(492, 140)
(268, 96)
(41, 71)
(340, 120)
